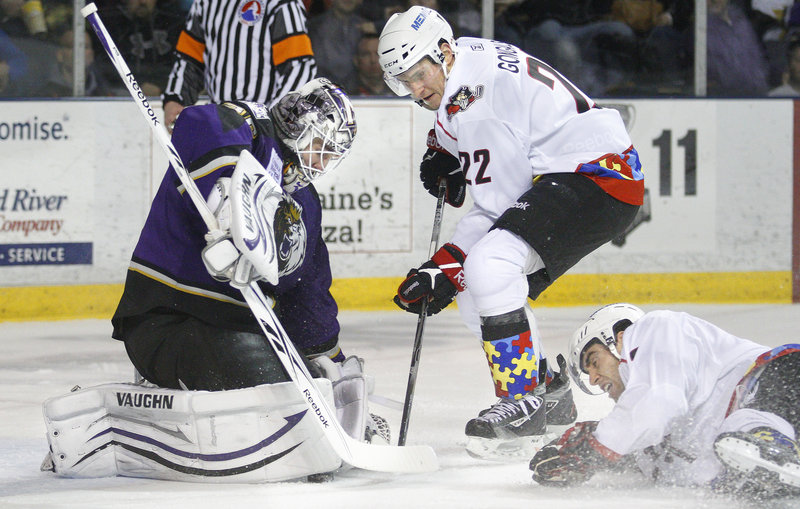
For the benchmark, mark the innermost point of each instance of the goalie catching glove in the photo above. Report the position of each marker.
(264, 235)
(438, 164)
(438, 281)
(574, 458)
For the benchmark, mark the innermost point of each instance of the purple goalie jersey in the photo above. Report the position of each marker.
(167, 273)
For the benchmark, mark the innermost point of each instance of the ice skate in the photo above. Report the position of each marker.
(510, 429)
(377, 430)
(768, 462)
(560, 405)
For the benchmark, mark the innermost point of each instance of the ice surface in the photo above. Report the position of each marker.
(44, 359)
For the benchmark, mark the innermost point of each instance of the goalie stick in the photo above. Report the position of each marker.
(380, 458)
(415, 353)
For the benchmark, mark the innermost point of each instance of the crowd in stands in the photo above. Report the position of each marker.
(609, 48)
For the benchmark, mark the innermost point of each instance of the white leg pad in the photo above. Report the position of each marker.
(253, 435)
(350, 392)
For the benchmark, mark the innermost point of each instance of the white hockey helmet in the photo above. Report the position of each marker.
(407, 38)
(601, 327)
(316, 120)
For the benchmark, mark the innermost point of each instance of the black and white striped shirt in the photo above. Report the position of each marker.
(252, 50)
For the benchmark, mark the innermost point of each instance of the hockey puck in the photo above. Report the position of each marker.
(321, 477)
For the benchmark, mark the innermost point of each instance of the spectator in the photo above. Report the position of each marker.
(378, 11)
(24, 23)
(59, 81)
(773, 22)
(184, 6)
(314, 7)
(464, 15)
(579, 38)
(145, 32)
(736, 62)
(251, 51)
(369, 75)
(21, 18)
(58, 14)
(334, 37)
(13, 66)
(666, 51)
(791, 79)
(511, 22)
(769, 18)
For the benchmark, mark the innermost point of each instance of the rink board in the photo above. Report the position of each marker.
(79, 176)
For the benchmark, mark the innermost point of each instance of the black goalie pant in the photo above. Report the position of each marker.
(178, 351)
(564, 217)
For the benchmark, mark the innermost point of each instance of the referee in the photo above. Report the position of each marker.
(250, 50)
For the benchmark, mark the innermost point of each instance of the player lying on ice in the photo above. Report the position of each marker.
(552, 177)
(187, 329)
(694, 406)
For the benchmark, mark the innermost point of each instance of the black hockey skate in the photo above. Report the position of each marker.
(561, 409)
(510, 429)
(761, 463)
(560, 405)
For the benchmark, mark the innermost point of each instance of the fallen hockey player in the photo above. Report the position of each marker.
(694, 406)
(215, 402)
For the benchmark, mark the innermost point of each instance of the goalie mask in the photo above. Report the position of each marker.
(318, 123)
(602, 328)
(407, 39)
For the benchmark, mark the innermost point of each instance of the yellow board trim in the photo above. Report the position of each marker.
(36, 303)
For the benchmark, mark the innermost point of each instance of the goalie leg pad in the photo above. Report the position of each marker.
(351, 389)
(349, 393)
(253, 435)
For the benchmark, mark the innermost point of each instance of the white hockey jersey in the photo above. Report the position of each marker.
(679, 373)
(509, 117)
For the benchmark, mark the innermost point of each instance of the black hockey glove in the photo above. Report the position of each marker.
(572, 459)
(438, 280)
(438, 164)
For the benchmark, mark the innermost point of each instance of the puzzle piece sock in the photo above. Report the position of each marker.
(511, 354)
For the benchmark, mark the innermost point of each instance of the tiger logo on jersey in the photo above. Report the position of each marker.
(290, 236)
(463, 99)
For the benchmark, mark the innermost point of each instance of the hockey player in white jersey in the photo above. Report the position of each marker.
(695, 406)
(552, 177)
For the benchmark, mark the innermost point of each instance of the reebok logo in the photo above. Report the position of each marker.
(317, 410)
(522, 205)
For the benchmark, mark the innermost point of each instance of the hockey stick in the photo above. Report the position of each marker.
(412, 370)
(351, 451)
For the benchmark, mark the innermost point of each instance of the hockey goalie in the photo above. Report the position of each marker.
(214, 403)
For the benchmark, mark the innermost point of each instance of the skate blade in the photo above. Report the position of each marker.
(47, 463)
(556, 430)
(497, 449)
(746, 457)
